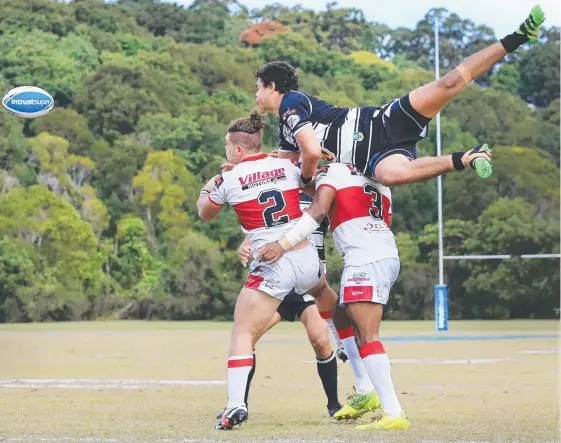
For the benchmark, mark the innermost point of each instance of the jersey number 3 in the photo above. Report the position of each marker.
(276, 204)
(376, 201)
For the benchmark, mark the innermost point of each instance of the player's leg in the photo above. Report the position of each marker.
(412, 113)
(365, 302)
(367, 317)
(428, 100)
(274, 320)
(364, 399)
(318, 334)
(254, 310)
(324, 295)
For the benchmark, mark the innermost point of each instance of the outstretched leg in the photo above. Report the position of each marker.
(398, 165)
(429, 99)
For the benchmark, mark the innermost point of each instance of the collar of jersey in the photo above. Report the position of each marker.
(252, 158)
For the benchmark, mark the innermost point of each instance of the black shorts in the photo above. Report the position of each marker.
(396, 129)
(366, 135)
(293, 306)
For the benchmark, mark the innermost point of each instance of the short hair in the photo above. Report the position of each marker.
(247, 131)
(283, 74)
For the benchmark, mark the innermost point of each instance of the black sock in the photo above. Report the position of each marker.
(327, 370)
(513, 41)
(249, 378)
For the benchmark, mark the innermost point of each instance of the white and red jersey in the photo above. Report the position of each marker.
(265, 194)
(359, 216)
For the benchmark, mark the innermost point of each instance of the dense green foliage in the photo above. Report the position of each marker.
(97, 199)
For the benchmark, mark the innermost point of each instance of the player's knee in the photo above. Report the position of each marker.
(451, 81)
(390, 176)
(368, 336)
(321, 346)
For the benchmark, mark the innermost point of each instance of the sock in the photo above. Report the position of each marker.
(378, 367)
(333, 331)
(363, 385)
(250, 377)
(327, 370)
(239, 367)
(513, 41)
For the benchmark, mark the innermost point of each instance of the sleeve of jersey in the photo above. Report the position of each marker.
(326, 177)
(295, 112)
(218, 194)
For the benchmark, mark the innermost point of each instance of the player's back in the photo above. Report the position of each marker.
(359, 216)
(264, 192)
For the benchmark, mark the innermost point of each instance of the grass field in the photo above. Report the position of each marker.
(109, 382)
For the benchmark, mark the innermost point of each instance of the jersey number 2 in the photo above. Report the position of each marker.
(275, 197)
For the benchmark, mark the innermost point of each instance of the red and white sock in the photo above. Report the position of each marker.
(378, 367)
(239, 367)
(363, 385)
(328, 317)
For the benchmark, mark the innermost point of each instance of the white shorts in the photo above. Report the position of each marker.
(370, 282)
(300, 270)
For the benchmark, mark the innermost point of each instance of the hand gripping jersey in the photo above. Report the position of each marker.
(359, 216)
(265, 194)
(359, 136)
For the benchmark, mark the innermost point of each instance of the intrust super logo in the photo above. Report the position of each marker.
(262, 178)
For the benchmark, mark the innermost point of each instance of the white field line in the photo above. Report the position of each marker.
(540, 351)
(86, 383)
(436, 361)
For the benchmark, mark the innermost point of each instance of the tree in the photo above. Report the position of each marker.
(539, 74)
(13, 146)
(44, 15)
(162, 189)
(507, 78)
(512, 288)
(57, 65)
(133, 264)
(66, 247)
(459, 38)
(67, 124)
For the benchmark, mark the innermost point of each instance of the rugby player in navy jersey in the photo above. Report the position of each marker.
(379, 141)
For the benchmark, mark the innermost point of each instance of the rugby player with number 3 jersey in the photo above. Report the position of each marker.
(359, 211)
(380, 141)
(264, 192)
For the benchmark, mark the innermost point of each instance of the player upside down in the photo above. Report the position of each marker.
(379, 141)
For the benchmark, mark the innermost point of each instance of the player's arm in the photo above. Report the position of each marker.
(398, 169)
(309, 188)
(304, 227)
(310, 153)
(208, 208)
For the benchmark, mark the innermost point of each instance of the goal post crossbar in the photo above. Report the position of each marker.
(498, 257)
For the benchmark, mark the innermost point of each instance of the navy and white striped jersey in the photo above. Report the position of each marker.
(358, 136)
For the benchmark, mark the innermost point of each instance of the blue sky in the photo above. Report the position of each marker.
(501, 15)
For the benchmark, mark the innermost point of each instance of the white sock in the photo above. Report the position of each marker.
(333, 331)
(239, 367)
(378, 366)
(363, 385)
